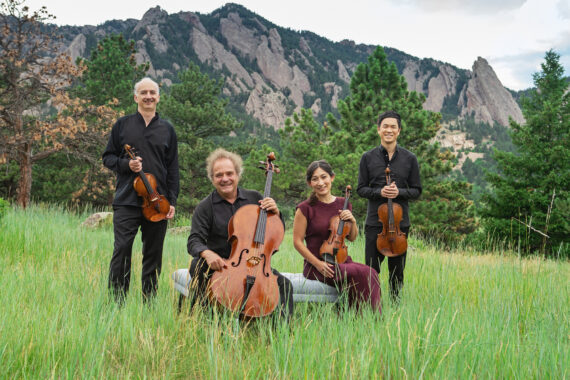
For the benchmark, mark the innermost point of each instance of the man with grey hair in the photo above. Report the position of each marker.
(157, 153)
(143, 81)
(208, 241)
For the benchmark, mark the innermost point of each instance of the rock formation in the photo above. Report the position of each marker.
(478, 93)
(99, 219)
(210, 51)
(486, 99)
(275, 71)
(265, 104)
(77, 47)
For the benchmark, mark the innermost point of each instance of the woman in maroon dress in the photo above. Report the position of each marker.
(311, 226)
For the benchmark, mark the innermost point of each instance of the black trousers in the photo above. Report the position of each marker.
(126, 223)
(374, 259)
(201, 274)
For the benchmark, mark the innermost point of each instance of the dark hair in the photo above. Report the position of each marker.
(311, 170)
(388, 114)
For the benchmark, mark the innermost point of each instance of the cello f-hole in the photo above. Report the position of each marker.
(240, 256)
(264, 262)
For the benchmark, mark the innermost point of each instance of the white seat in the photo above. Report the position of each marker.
(181, 279)
(303, 290)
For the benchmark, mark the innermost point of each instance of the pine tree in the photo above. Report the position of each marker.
(530, 197)
(376, 86)
(110, 73)
(198, 112)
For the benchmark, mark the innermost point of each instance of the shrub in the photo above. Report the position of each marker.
(3, 207)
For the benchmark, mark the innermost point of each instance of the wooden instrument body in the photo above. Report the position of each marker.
(391, 241)
(334, 250)
(247, 284)
(249, 258)
(155, 206)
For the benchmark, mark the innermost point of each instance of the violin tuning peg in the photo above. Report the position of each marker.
(276, 170)
(261, 167)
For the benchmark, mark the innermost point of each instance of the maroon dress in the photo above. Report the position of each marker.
(361, 281)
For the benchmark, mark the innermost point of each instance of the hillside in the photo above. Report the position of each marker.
(270, 71)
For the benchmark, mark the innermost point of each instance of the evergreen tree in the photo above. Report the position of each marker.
(198, 113)
(531, 194)
(302, 141)
(301, 145)
(111, 73)
(442, 211)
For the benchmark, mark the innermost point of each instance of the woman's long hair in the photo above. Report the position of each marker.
(311, 170)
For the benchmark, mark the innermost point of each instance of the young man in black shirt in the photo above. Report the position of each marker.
(157, 153)
(406, 185)
(208, 241)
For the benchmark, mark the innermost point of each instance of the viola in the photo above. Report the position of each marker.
(247, 284)
(391, 241)
(333, 250)
(155, 206)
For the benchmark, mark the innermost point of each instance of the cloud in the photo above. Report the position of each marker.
(516, 70)
(563, 7)
(562, 42)
(465, 6)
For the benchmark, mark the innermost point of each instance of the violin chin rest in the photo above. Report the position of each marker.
(328, 258)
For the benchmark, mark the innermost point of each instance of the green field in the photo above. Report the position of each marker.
(462, 315)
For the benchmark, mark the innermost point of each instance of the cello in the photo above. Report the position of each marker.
(155, 206)
(247, 284)
(333, 250)
(391, 241)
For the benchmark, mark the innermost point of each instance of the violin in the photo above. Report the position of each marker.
(333, 250)
(155, 206)
(247, 284)
(391, 241)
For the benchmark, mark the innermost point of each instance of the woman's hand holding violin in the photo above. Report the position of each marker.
(324, 268)
(347, 216)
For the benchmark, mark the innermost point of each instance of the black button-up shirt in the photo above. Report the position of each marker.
(404, 171)
(156, 144)
(210, 222)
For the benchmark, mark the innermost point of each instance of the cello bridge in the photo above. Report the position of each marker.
(254, 260)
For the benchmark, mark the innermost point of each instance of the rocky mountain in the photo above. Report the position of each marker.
(272, 71)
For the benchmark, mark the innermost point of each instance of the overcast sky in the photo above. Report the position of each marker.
(512, 35)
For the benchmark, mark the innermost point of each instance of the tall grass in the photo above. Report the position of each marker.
(462, 315)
